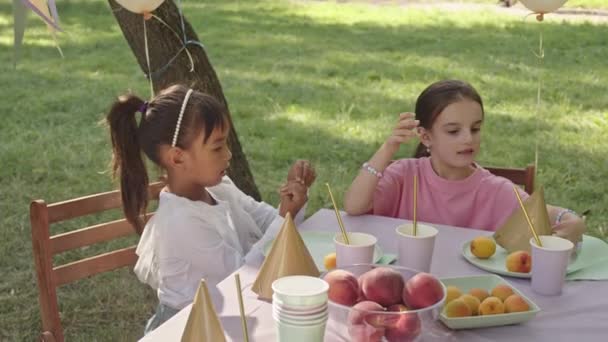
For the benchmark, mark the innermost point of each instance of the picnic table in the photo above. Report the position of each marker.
(580, 313)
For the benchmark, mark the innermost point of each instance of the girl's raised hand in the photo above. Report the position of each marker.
(302, 171)
(293, 197)
(404, 131)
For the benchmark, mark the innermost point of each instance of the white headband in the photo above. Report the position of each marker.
(179, 119)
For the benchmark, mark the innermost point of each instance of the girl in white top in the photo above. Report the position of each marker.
(204, 227)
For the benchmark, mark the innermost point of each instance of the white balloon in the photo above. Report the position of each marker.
(140, 6)
(543, 6)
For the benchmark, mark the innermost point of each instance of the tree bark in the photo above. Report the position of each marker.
(163, 45)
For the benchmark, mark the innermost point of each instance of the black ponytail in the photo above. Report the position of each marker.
(127, 162)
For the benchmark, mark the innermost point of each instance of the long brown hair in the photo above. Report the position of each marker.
(435, 98)
(156, 128)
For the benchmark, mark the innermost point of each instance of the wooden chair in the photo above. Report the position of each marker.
(523, 176)
(50, 277)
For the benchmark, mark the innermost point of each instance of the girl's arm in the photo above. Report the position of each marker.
(566, 223)
(359, 196)
(358, 199)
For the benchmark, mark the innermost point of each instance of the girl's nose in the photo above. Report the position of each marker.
(468, 136)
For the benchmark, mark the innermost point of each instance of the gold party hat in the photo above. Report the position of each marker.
(288, 256)
(515, 234)
(203, 324)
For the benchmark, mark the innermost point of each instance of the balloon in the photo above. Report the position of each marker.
(543, 6)
(140, 6)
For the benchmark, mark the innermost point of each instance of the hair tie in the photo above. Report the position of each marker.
(179, 118)
(143, 108)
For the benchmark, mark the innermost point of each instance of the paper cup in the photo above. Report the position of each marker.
(416, 251)
(301, 320)
(293, 333)
(298, 290)
(549, 264)
(299, 312)
(360, 249)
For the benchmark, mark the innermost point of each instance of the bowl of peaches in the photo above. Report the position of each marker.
(382, 303)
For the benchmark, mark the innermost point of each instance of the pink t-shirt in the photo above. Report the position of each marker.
(482, 200)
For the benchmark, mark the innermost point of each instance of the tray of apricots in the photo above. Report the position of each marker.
(484, 301)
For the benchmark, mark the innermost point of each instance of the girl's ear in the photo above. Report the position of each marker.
(425, 136)
(172, 157)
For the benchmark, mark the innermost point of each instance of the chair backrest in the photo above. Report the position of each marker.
(48, 276)
(524, 177)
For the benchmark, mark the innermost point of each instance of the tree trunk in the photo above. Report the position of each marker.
(163, 45)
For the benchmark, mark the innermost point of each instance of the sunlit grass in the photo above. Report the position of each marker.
(317, 80)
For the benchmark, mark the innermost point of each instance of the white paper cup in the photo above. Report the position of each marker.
(549, 264)
(301, 320)
(305, 311)
(293, 333)
(300, 290)
(416, 251)
(360, 249)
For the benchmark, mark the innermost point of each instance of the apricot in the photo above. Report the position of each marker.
(457, 308)
(473, 303)
(481, 294)
(491, 306)
(519, 261)
(329, 261)
(502, 291)
(483, 247)
(515, 303)
(452, 293)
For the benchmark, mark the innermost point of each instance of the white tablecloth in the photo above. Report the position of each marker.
(579, 314)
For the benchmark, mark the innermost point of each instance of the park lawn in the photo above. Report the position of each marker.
(580, 4)
(315, 80)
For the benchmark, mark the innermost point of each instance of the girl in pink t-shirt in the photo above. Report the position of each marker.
(452, 188)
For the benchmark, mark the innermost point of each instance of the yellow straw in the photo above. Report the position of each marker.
(241, 307)
(415, 202)
(340, 223)
(521, 204)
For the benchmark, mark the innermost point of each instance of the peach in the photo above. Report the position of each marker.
(519, 261)
(422, 290)
(343, 287)
(491, 306)
(502, 291)
(481, 294)
(382, 285)
(363, 325)
(483, 247)
(515, 303)
(406, 328)
(457, 308)
(452, 293)
(473, 303)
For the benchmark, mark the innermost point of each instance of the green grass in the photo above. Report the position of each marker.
(595, 4)
(587, 4)
(318, 80)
